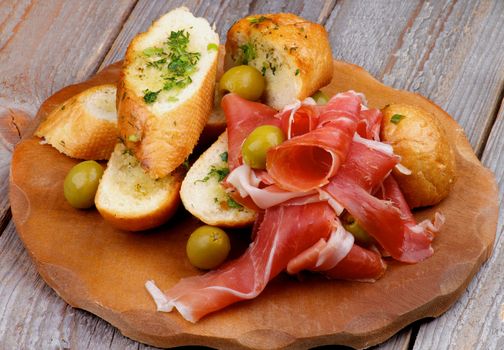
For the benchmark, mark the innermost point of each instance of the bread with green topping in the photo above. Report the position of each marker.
(204, 196)
(293, 54)
(166, 89)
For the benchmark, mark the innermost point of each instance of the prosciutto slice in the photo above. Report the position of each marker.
(242, 117)
(384, 219)
(280, 237)
(308, 161)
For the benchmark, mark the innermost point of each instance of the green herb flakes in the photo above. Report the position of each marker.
(254, 20)
(219, 173)
(233, 204)
(152, 51)
(213, 47)
(396, 118)
(297, 72)
(133, 138)
(224, 156)
(249, 53)
(150, 96)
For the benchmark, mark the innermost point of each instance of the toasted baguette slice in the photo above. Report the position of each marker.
(204, 197)
(84, 126)
(159, 122)
(130, 199)
(293, 54)
(216, 123)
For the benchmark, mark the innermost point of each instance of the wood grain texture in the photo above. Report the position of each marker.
(476, 320)
(448, 51)
(222, 13)
(45, 45)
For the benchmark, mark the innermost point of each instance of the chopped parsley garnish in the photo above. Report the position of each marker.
(297, 72)
(224, 156)
(175, 62)
(133, 138)
(219, 173)
(233, 204)
(396, 118)
(150, 96)
(151, 51)
(186, 164)
(249, 53)
(254, 20)
(212, 47)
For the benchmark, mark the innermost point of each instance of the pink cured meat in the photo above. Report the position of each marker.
(359, 264)
(242, 117)
(280, 237)
(382, 219)
(370, 123)
(308, 161)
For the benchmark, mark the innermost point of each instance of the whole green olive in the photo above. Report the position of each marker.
(245, 81)
(258, 143)
(320, 97)
(81, 184)
(207, 247)
(352, 226)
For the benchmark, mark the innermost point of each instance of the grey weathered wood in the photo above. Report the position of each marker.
(448, 51)
(45, 45)
(221, 13)
(477, 319)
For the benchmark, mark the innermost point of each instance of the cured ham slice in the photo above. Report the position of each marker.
(308, 161)
(242, 117)
(280, 237)
(370, 123)
(299, 120)
(381, 218)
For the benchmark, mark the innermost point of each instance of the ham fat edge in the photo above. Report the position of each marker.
(331, 161)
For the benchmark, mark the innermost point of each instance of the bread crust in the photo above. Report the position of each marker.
(164, 141)
(147, 221)
(135, 219)
(424, 149)
(73, 131)
(304, 42)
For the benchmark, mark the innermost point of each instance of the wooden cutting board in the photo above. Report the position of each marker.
(95, 267)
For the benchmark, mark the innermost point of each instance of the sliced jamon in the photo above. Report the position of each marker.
(370, 123)
(308, 161)
(242, 117)
(383, 220)
(300, 120)
(280, 237)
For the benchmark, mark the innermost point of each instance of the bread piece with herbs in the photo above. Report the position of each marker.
(130, 199)
(293, 54)
(203, 195)
(166, 88)
(85, 125)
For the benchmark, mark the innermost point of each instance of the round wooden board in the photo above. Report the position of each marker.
(95, 267)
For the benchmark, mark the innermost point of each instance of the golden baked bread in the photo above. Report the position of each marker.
(130, 199)
(84, 126)
(165, 91)
(205, 198)
(293, 54)
(420, 140)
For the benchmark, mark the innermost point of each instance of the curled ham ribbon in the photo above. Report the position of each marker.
(307, 161)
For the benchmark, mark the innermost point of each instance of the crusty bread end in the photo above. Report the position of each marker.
(84, 126)
(293, 54)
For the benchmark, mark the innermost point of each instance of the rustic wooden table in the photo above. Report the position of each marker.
(449, 51)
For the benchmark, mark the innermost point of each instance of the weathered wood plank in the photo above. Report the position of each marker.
(448, 51)
(43, 47)
(476, 320)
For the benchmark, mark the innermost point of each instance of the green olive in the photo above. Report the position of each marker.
(320, 98)
(258, 143)
(245, 81)
(207, 247)
(352, 226)
(81, 184)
